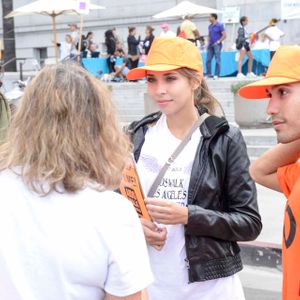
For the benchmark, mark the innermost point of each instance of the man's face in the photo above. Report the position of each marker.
(211, 19)
(284, 108)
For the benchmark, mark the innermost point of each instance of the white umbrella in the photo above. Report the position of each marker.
(186, 8)
(295, 14)
(51, 8)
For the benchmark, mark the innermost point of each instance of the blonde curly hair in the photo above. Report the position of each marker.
(65, 132)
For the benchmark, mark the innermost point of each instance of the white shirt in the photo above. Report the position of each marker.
(274, 34)
(168, 33)
(66, 49)
(68, 246)
(168, 265)
(75, 37)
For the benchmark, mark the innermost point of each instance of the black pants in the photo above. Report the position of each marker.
(272, 54)
(111, 65)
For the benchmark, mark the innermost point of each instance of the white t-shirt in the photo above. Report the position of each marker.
(168, 265)
(66, 49)
(68, 246)
(75, 37)
(168, 33)
(274, 34)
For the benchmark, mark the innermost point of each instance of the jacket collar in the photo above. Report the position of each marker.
(211, 126)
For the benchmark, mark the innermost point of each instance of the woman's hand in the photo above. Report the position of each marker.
(166, 212)
(155, 236)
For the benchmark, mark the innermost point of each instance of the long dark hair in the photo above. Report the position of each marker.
(108, 35)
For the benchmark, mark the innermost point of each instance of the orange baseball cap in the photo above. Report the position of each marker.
(168, 54)
(284, 69)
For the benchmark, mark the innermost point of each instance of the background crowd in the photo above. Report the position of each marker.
(125, 54)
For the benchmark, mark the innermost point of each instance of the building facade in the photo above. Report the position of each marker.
(34, 37)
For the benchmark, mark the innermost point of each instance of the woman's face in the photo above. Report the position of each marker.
(171, 91)
(245, 22)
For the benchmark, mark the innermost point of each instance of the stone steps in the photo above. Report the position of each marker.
(129, 101)
(129, 98)
(259, 141)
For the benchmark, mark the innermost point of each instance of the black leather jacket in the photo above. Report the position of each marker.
(222, 206)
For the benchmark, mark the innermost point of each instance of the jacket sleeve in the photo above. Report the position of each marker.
(240, 219)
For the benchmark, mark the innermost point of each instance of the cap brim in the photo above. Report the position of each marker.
(258, 89)
(140, 72)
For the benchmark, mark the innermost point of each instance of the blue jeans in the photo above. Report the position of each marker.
(213, 50)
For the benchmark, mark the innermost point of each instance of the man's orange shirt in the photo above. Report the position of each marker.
(289, 179)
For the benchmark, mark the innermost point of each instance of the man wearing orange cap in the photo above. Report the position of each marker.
(279, 168)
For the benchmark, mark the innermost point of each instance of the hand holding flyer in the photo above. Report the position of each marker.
(131, 188)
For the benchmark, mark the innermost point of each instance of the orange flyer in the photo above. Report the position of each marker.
(131, 188)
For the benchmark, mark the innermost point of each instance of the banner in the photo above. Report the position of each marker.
(288, 6)
(231, 15)
(83, 6)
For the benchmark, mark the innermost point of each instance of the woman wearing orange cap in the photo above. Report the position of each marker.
(194, 169)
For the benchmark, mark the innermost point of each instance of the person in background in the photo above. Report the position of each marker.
(205, 202)
(216, 35)
(92, 51)
(67, 48)
(111, 48)
(148, 39)
(74, 33)
(133, 44)
(274, 34)
(279, 167)
(89, 38)
(262, 42)
(166, 32)
(202, 45)
(243, 46)
(5, 117)
(122, 69)
(1, 50)
(117, 38)
(65, 234)
(189, 29)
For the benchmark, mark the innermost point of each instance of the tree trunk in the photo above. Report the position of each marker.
(9, 36)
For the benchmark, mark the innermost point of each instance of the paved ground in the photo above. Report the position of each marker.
(271, 205)
(261, 283)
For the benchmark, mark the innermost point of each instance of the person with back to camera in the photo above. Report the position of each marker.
(188, 29)
(200, 196)
(65, 235)
(274, 34)
(243, 46)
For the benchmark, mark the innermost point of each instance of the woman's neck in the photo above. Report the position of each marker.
(179, 124)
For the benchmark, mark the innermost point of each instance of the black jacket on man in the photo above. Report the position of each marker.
(222, 204)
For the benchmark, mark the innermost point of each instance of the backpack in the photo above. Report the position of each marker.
(240, 40)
